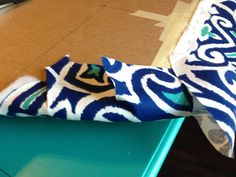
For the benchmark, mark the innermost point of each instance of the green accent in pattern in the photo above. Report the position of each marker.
(231, 55)
(32, 97)
(233, 33)
(205, 31)
(178, 98)
(94, 70)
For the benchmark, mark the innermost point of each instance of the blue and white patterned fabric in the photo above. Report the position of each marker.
(206, 64)
(201, 83)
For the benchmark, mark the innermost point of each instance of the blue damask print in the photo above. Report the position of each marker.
(201, 84)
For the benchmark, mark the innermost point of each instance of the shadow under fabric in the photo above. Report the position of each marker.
(201, 83)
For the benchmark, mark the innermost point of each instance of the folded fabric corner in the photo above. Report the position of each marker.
(204, 61)
(201, 83)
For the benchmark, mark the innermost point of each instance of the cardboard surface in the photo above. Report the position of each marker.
(38, 33)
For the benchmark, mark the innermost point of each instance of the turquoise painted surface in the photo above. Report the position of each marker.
(41, 147)
(3, 174)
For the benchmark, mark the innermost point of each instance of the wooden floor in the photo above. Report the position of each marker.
(192, 156)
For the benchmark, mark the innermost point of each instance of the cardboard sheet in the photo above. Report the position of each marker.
(38, 33)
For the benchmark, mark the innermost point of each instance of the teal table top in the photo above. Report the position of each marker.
(40, 147)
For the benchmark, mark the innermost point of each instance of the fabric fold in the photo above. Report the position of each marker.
(149, 89)
(204, 61)
(113, 92)
(201, 83)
